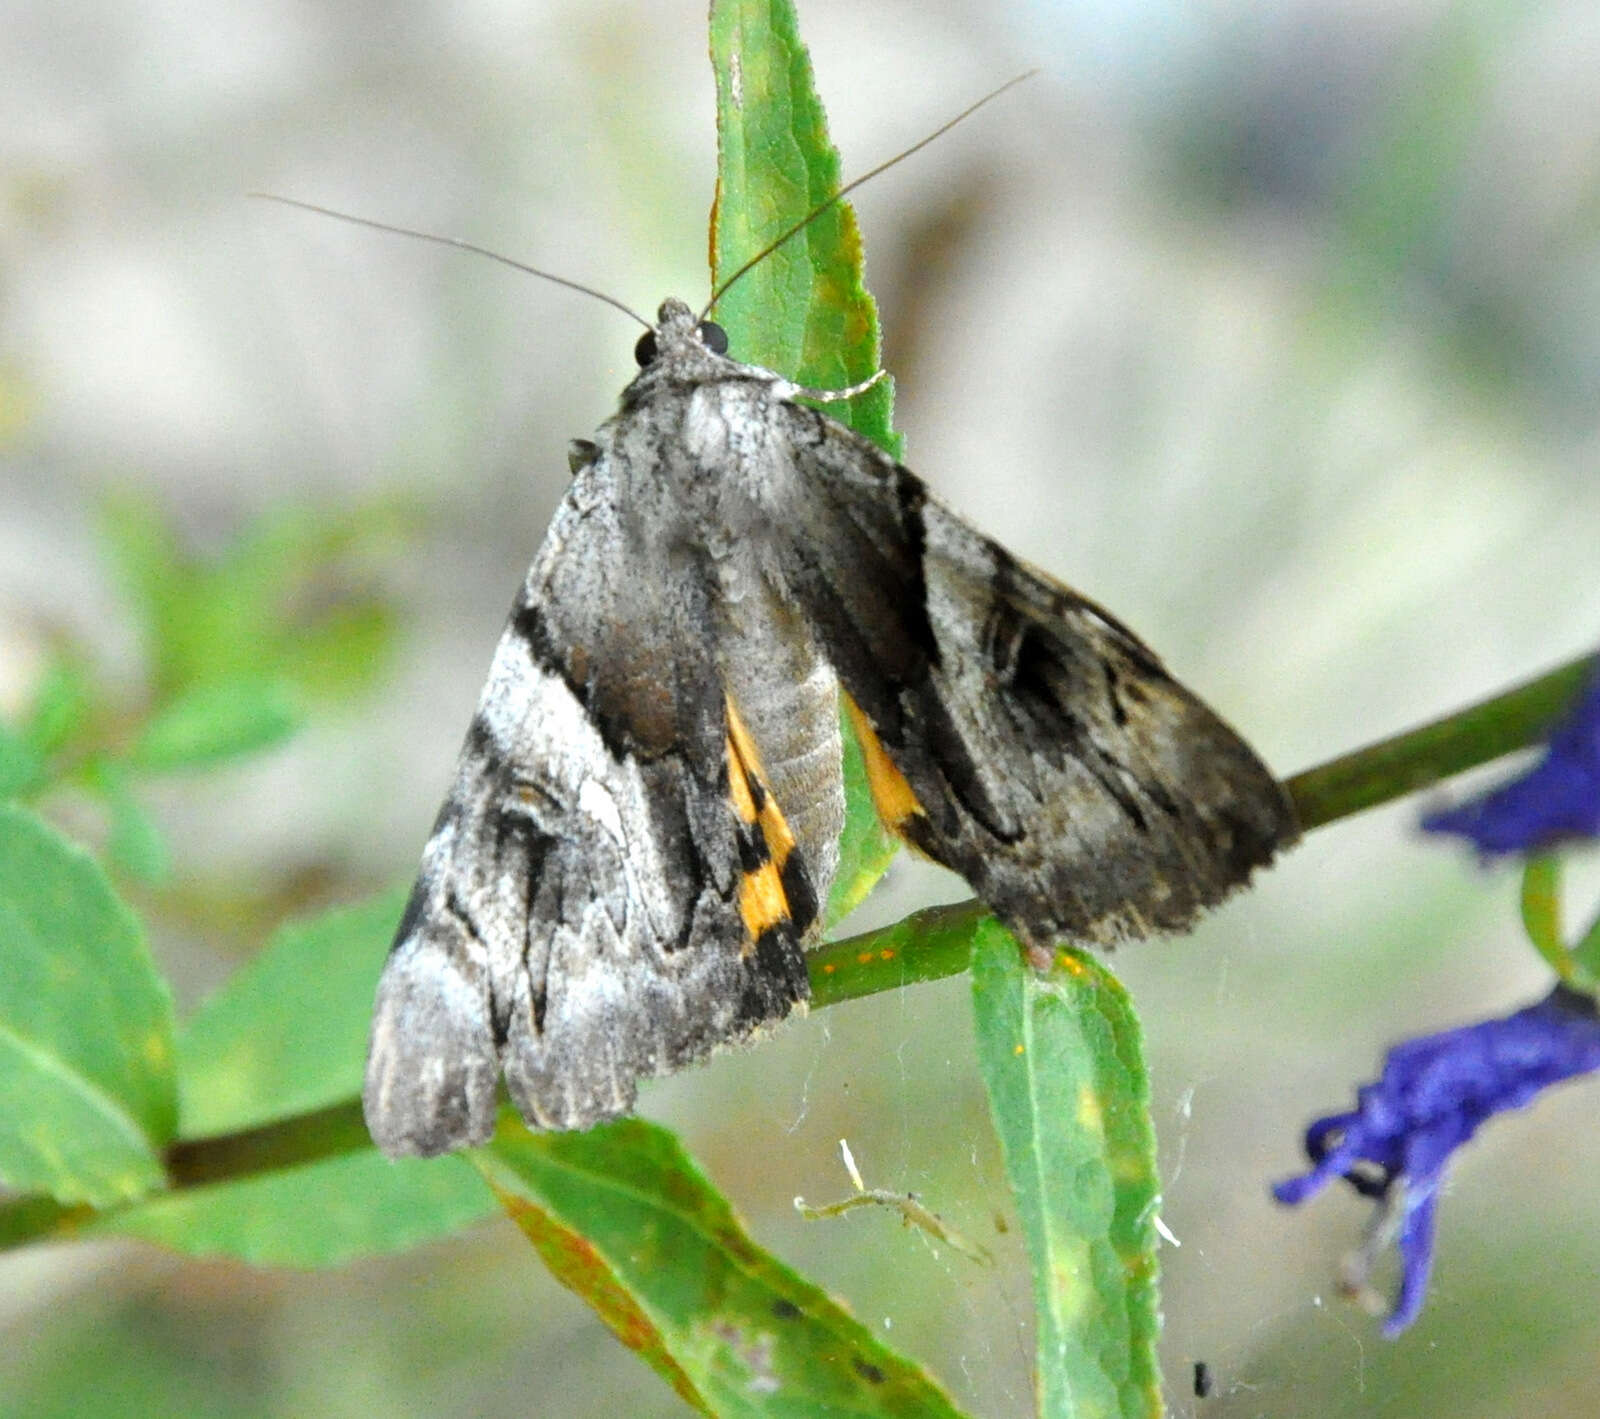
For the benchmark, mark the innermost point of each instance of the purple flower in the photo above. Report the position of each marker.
(1559, 797)
(1434, 1093)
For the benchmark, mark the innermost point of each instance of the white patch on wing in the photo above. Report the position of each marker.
(524, 705)
(541, 730)
(596, 800)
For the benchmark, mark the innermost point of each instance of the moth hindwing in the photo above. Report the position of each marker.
(646, 811)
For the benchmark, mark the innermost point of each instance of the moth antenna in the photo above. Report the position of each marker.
(456, 242)
(854, 183)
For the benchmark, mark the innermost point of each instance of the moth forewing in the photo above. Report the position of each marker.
(612, 890)
(1044, 752)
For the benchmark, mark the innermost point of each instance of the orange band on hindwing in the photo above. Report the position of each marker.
(774, 888)
(892, 796)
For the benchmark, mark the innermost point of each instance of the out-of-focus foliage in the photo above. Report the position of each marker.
(87, 1085)
(236, 649)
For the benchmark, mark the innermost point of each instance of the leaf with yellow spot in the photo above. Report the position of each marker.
(1063, 1062)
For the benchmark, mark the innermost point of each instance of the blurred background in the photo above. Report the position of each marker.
(1275, 329)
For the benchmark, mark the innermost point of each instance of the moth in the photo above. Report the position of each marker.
(643, 826)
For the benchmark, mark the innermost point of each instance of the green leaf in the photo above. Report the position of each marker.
(866, 848)
(60, 709)
(345, 652)
(622, 1216)
(1541, 914)
(1585, 958)
(803, 311)
(62, 704)
(288, 1033)
(22, 768)
(1062, 1060)
(135, 844)
(87, 1093)
(284, 604)
(211, 722)
(318, 1214)
(144, 551)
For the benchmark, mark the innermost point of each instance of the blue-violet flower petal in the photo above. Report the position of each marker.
(1395, 1145)
(1557, 799)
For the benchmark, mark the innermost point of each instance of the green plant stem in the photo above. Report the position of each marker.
(285, 1143)
(926, 945)
(199, 1162)
(1394, 767)
(929, 944)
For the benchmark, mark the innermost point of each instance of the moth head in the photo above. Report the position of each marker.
(674, 319)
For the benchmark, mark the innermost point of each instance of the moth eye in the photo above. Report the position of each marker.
(713, 337)
(645, 351)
